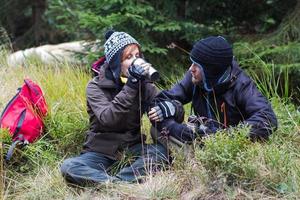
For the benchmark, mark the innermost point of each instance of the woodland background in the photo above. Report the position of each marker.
(266, 38)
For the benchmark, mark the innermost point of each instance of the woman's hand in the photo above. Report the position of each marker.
(163, 110)
(139, 69)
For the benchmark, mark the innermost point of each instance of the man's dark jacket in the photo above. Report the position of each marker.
(114, 115)
(235, 100)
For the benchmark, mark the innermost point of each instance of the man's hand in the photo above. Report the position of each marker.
(206, 129)
(163, 110)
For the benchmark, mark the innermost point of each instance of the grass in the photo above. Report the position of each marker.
(229, 167)
(274, 67)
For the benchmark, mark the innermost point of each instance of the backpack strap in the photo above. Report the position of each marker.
(11, 149)
(19, 141)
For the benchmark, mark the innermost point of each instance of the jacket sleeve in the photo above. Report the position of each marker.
(181, 91)
(110, 113)
(180, 131)
(150, 92)
(256, 110)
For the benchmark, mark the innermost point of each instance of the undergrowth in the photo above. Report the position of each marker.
(229, 166)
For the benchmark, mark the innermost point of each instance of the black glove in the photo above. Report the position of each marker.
(135, 76)
(138, 72)
(206, 129)
(181, 132)
(203, 126)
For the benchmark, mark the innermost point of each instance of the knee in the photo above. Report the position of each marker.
(158, 151)
(67, 166)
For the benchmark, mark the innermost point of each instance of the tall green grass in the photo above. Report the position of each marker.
(67, 120)
(276, 68)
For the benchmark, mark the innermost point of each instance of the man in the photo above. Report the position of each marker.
(222, 95)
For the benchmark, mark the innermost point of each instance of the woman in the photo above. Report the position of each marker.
(113, 104)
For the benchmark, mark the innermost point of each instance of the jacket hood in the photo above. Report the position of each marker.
(103, 80)
(235, 72)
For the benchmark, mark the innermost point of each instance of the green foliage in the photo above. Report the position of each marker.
(5, 136)
(283, 169)
(274, 67)
(168, 16)
(288, 31)
(157, 24)
(95, 17)
(4, 40)
(274, 164)
(67, 120)
(229, 165)
(228, 155)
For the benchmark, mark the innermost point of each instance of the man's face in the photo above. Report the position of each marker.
(196, 73)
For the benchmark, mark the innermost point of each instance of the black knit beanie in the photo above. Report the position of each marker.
(215, 55)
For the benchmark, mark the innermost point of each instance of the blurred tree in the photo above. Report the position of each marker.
(288, 30)
(25, 23)
(155, 23)
(162, 22)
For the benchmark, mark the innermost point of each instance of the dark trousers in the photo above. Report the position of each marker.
(92, 167)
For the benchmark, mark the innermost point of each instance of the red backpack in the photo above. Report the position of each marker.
(23, 115)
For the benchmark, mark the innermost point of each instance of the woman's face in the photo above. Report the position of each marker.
(130, 53)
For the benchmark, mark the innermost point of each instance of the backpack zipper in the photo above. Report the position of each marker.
(20, 123)
(9, 104)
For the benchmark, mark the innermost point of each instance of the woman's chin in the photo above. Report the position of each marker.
(125, 75)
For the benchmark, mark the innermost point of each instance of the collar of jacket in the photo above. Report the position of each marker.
(103, 81)
(223, 87)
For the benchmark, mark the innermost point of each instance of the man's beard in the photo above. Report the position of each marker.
(195, 81)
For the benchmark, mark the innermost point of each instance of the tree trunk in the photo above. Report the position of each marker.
(38, 10)
(288, 30)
